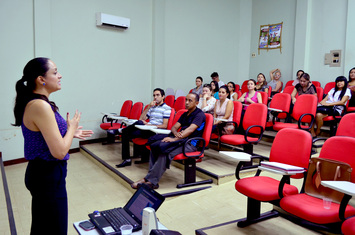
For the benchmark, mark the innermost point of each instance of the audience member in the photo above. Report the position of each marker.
(215, 89)
(333, 103)
(215, 77)
(158, 114)
(232, 94)
(298, 76)
(207, 102)
(224, 110)
(198, 88)
(47, 138)
(262, 83)
(305, 86)
(165, 147)
(351, 86)
(275, 83)
(252, 96)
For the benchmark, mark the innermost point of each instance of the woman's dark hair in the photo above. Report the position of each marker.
(226, 88)
(341, 79)
(233, 88)
(254, 82)
(349, 73)
(27, 84)
(216, 86)
(305, 76)
(199, 77)
(299, 71)
(265, 82)
(208, 86)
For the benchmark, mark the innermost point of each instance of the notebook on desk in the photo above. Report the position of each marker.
(109, 221)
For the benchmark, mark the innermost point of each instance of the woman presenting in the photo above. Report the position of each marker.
(47, 138)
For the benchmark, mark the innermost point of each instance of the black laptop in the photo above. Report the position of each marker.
(109, 221)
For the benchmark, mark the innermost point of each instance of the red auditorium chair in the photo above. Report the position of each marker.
(139, 148)
(348, 227)
(266, 189)
(254, 122)
(244, 89)
(179, 103)
(169, 100)
(328, 87)
(189, 159)
(288, 89)
(316, 83)
(237, 87)
(280, 101)
(319, 91)
(245, 83)
(347, 125)
(289, 83)
(309, 209)
(125, 111)
(304, 111)
(264, 97)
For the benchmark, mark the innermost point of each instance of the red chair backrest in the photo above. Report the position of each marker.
(282, 85)
(305, 104)
(171, 119)
(178, 115)
(292, 146)
(180, 103)
(340, 148)
(281, 101)
(191, 90)
(264, 97)
(126, 108)
(244, 89)
(316, 83)
(237, 111)
(208, 128)
(245, 83)
(289, 83)
(239, 94)
(346, 125)
(169, 100)
(237, 87)
(328, 87)
(136, 111)
(289, 89)
(255, 115)
(269, 90)
(319, 93)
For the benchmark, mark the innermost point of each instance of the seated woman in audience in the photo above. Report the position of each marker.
(333, 103)
(351, 86)
(198, 88)
(298, 76)
(262, 83)
(304, 87)
(275, 83)
(207, 102)
(252, 96)
(224, 110)
(233, 95)
(215, 89)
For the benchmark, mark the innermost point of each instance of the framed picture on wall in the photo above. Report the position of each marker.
(270, 37)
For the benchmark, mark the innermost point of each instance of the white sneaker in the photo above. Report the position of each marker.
(120, 130)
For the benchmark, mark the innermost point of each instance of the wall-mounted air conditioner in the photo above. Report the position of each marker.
(112, 21)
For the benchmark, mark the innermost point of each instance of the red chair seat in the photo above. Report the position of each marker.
(312, 209)
(214, 136)
(348, 227)
(280, 125)
(269, 124)
(236, 139)
(264, 188)
(107, 126)
(117, 126)
(182, 157)
(140, 141)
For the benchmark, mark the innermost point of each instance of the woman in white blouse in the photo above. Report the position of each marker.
(207, 101)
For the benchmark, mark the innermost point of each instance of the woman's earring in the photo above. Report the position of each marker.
(44, 84)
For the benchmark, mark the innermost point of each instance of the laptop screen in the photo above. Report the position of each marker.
(144, 197)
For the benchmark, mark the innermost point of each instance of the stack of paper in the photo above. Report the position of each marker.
(282, 167)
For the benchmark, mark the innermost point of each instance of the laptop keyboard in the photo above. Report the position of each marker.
(115, 218)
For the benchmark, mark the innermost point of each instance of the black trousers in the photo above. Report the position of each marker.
(46, 182)
(131, 132)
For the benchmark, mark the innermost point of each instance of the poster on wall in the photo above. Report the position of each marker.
(270, 37)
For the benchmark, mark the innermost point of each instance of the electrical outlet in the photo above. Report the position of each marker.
(253, 55)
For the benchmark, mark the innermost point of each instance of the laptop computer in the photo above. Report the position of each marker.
(108, 221)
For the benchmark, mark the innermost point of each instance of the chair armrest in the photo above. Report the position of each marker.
(247, 132)
(318, 139)
(300, 121)
(202, 150)
(241, 164)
